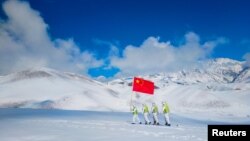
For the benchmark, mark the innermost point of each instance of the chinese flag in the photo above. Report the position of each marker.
(144, 86)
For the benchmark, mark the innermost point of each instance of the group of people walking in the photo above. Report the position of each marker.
(155, 113)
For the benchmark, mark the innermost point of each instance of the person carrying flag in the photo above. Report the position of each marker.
(165, 111)
(145, 112)
(155, 112)
(135, 115)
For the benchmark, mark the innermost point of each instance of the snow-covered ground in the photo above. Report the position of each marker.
(63, 125)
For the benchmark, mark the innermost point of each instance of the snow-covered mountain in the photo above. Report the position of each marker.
(221, 70)
(47, 88)
(219, 86)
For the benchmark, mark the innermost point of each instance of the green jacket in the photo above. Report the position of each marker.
(134, 111)
(165, 108)
(145, 109)
(155, 109)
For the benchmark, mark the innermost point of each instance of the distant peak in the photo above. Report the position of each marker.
(225, 60)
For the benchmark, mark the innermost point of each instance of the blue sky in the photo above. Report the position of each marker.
(97, 25)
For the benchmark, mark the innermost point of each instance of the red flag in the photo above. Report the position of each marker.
(144, 86)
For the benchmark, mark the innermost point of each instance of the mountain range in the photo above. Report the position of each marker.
(220, 86)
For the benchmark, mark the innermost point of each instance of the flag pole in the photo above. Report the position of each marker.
(131, 100)
(131, 97)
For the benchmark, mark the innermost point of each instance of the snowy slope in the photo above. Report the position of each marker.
(47, 88)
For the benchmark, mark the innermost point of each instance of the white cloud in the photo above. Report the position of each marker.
(25, 43)
(153, 56)
(113, 49)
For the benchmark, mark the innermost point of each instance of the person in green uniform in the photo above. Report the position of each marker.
(165, 111)
(135, 115)
(145, 112)
(155, 112)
